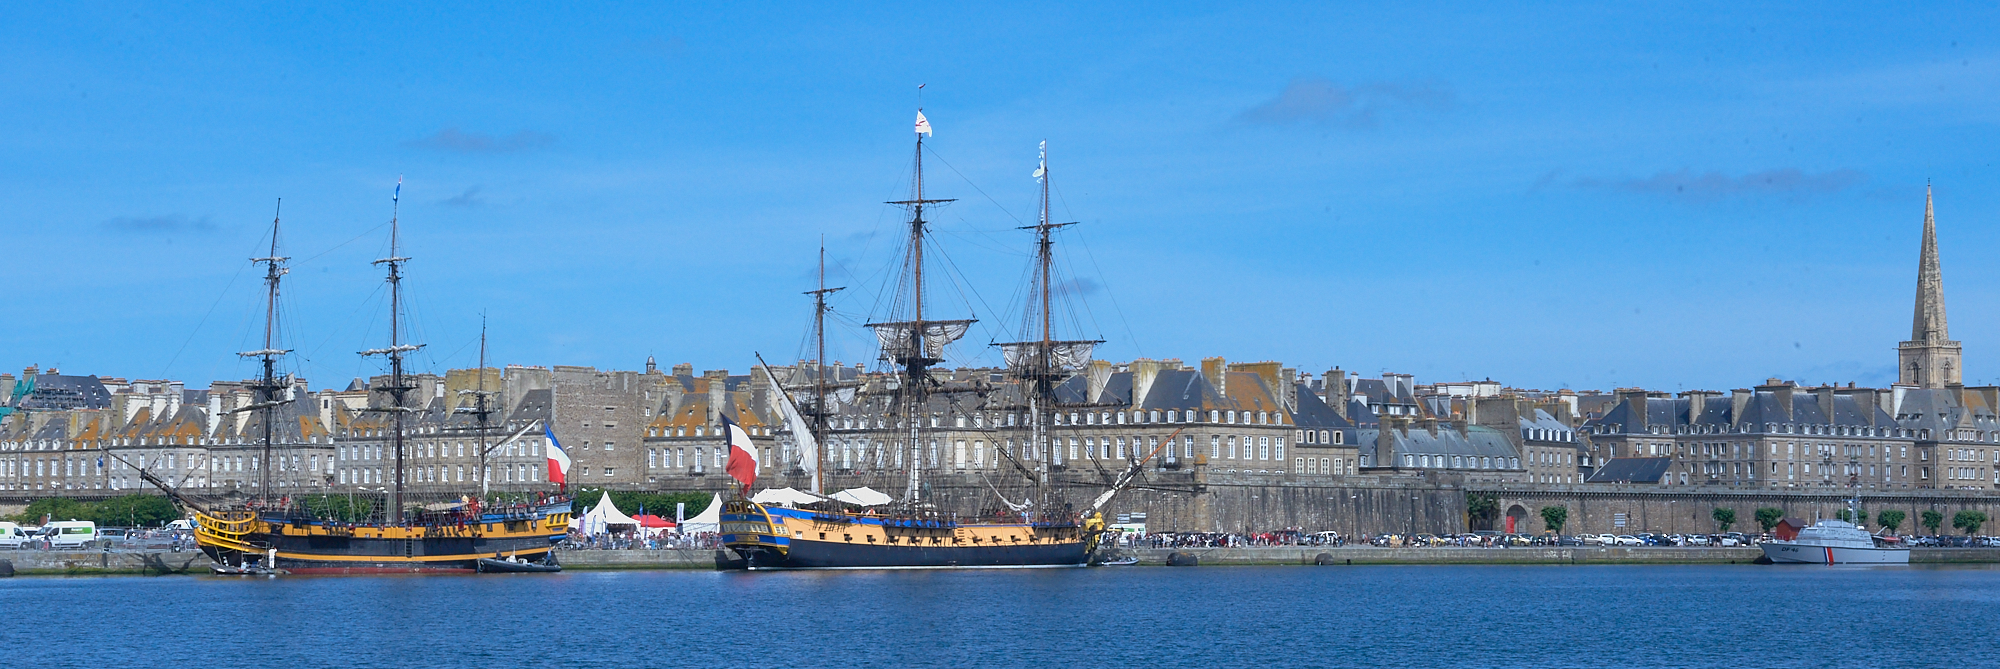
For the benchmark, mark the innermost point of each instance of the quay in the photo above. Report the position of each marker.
(93, 563)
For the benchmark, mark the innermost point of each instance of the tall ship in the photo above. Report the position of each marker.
(1016, 514)
(415, 528)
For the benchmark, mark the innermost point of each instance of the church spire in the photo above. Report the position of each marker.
(1930, 359)
(1928, 326)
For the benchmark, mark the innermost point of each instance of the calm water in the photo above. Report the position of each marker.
(1125, 617)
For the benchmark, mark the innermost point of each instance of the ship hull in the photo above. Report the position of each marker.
(1791, 553)
(771, 538)
(829, 555)
(383, 556)
(236, 539)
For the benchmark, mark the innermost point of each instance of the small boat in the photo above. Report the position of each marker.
(246, 569)
(1837, 542)
(1126, 561)
(516, 565)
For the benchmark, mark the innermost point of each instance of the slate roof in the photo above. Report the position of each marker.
(1631, 470)
(64, 392)
(1314, 413)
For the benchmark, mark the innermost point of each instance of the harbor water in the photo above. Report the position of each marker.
(1373, 616)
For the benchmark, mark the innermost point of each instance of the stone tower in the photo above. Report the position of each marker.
(1930, 359)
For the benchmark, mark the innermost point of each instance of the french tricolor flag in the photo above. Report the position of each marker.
(742, 454)
(558, 458)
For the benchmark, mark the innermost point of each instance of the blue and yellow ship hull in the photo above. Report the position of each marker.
(774, 537)
(325, 547)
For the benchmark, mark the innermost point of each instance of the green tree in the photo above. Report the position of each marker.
(1553, 517)
(655, 503)
(1768, 517)
(1931, 520)
(1890, 519)
(1724, 517)
(1852, 517)
(1481, 508)
(134, 510)
(1969, 521)
(56, 508)
(340, 507)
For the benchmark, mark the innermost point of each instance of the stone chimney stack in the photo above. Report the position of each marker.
(1216, 371)
(684, 369)
(1097, 377)
(1783, 389)
(1739, 402)
(1636, 397)
(1824, 395)
(1144, 372)
(718, 393)
(1337, 394)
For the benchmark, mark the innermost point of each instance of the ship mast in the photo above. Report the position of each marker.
(398, 387)
(910, 344)
(1044, 361)
(267, 386)
(481, 409)
(819, 372)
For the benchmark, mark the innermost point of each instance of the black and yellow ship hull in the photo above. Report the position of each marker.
(313, 547)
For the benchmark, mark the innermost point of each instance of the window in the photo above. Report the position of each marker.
(1278, 452)
(1214, 446)
(1263, 447)
(607, 471)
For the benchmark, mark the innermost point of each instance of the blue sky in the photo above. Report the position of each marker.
(1564, 196)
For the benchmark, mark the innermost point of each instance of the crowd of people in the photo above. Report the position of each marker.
(1228, 539)
(623, 541)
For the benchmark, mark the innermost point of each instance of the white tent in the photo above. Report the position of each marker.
(785, 497)
(601, 518)
(862, 497)
(709, 520)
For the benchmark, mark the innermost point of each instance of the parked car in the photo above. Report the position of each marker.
(1606, 540)
(1698, 540)
(1629, 540)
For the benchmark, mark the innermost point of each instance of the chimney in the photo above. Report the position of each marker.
(1824, 394)
(1144, 372)
(1385, 440)
(1288, 387)
(1864, 402)
(718, 392)
(1099, 375)
(1213, 369)
(1336, 391)
(1783, 390)
(1636, 397)
(1499, 413)
(684, 369)
(760, 393)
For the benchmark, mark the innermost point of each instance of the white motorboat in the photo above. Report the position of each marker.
(1835, 542)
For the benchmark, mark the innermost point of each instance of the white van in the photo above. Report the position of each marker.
(70, 534)
(12, 536)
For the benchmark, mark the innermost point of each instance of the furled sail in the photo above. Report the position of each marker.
(897, 342)
(808, 447)
(1067, 356)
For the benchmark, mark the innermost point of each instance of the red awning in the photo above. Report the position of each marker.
(649, 520)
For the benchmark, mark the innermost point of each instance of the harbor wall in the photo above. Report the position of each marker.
(106, 562)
